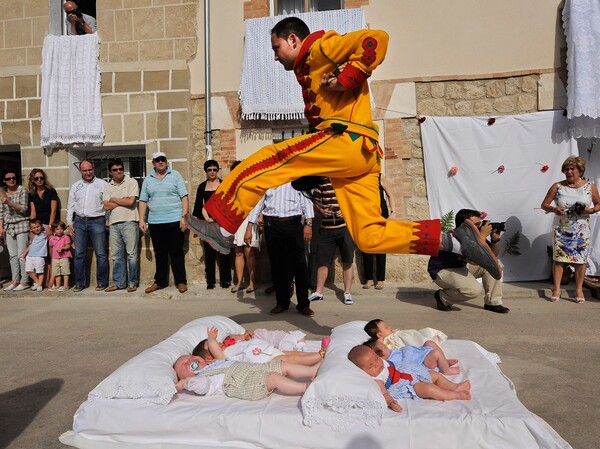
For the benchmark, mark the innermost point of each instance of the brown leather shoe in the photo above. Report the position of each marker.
(307, 311)
(182, 287)
(131, 288)
(113, 288)
(270, 289)
(277, 310)
(153, 288)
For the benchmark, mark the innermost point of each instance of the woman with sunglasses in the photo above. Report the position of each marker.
(204, 192)
(43, 199)
(43, 204)
(14, 227)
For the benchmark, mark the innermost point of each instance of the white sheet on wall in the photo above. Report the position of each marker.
(589, 150)
(522, 144)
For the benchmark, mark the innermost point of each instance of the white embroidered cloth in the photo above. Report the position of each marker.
(71, 108)
(581, 19)
(267, 91)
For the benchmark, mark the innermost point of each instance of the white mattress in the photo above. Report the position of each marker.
(494, 418)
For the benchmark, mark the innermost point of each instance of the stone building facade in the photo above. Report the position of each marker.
(149, 104)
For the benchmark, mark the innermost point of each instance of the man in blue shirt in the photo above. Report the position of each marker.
(166, 200)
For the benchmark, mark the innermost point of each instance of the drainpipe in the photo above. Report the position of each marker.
(207, 108)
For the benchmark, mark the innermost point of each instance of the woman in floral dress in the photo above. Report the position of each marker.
(575, 199)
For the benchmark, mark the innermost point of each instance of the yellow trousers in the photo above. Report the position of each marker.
(353, 167)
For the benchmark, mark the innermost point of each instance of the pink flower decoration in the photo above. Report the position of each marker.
(453, 170)
(256, 351)
(483, 215)
(501, 169)
(544, 168)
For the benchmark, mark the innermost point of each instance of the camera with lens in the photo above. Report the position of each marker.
(78, 13)
(498, 226)
(576, 209)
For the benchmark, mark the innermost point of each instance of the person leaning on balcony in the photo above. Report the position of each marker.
(77, 22)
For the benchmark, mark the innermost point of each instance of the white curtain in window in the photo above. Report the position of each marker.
(581, 21)
(71, 108)
(269, 92)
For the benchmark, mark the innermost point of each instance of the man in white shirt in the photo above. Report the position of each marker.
(283, 209)
(120, 196)
(86, 221)
(78, 23)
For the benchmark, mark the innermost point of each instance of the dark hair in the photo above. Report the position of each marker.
(58, 224)
(201, 350)
(371, 328)
(6, 172)
(35, 221)
(291, 25)
(235, 164)
(463, 214)
(371, 342)
(115, 161)
(211, 163)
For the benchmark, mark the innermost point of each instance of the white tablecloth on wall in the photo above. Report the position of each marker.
(522, 144)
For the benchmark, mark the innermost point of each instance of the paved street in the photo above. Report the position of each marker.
(55, 349)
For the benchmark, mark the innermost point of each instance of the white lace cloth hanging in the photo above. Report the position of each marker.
(71, 107)
(581, 21)
(269, 92)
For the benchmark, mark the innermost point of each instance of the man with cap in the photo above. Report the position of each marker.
(166, 200)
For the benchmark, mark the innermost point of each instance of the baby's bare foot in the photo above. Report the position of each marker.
(463, 386)
(463, 395)
(451, 371)
(452, 362)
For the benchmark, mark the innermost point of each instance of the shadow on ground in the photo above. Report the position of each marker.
(19, 407)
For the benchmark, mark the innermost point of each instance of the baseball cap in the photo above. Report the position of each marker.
(158, 154)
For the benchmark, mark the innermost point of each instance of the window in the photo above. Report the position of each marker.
(281, 134)
(299, 6)
(58, 17)
(133, 157)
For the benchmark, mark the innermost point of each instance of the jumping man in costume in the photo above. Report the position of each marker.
(332, 71)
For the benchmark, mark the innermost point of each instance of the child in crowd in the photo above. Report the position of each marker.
(407, 380)
(35, 254)
(239, 380)
(60, 252)
(429, 355)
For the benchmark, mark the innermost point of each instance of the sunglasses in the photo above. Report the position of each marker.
(39, 178)
(212, 169)
(117, 169)
(14, 178)
(160, 159)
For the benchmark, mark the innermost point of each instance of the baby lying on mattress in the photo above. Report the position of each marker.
(241, 380)
(407, 380)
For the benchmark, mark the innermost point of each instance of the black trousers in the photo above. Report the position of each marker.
(285, 244)
(368, 264)
(210, 260)
(167, 240)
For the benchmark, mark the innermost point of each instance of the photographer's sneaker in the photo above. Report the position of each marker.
(348, 298)
(210, 232)
(314, 296)
(475, 249)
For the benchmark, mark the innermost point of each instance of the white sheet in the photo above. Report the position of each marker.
(495, 418)
(71, 106)
(267, 91)
(522, 144)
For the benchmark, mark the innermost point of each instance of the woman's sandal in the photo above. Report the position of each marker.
(250, 289)
(234, 289)
(579, 300)
(379, 286)
(555, 298)
(368, 285)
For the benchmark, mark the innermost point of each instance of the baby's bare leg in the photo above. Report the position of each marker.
(285, 385)
(437, 359)
(445, 384)
(300, 358)
(299, 371)
(432, 391)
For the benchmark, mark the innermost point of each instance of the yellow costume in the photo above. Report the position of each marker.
(344, 146)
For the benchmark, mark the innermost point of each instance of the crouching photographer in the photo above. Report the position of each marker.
(457, 277)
